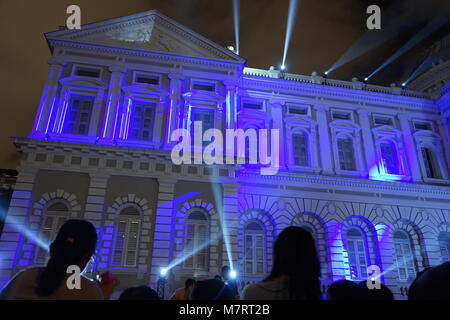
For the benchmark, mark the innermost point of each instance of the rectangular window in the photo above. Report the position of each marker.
(78, 115)
(254, 253)
(141, 121)
(431, 164)
(298, 110)
(300, 149)
(346, 155)
(252, 105)
(206, 117)
(204, 86)
(126, 245)
(380, 120)
(341, 115)
(144, 78)
(91, 72)
(421, 125)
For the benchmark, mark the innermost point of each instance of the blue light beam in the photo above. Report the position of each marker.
(431, 27)
(292, 12)
(32, 235)
(236, 23)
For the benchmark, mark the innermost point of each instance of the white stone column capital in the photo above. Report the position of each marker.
(321, 108)
(176, 76)
(118, 69)
(363, 112)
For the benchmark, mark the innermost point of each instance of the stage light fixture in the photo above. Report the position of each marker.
(163, 272)
(283, 67)
(404, 84)
(233, 274)
(231, 48)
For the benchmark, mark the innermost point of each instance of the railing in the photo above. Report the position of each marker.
(275, 74)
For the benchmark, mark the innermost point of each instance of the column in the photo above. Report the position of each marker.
(174, 118)
(278, 123)
(111, 121)
(410, 148)
(162, 239)
(367, 137)
(326, 152)
(230, 218)
(231, 103)
(48, 99)
(12, 241)
(95, 213)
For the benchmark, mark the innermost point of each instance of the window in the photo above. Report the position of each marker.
(252, 105)
(78, 115)
(300, 149)
(389, 157)
(444, 245)
(145, 78)
(404, 256)
(254, 247)
(357, 256)
(127, 237)
(206, 117)
(346, 153)
(380, 120)
(298, 110)
(141, 122)
(420, 125)
(54, 217)
(431, 163)
(91, 72)
(204, 86)
(341, 115)
(197, 235)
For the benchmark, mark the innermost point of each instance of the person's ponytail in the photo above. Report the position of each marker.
(75, 239)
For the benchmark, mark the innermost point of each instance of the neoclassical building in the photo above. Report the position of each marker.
(364, 168)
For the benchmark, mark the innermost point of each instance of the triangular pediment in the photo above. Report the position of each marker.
(147, 31)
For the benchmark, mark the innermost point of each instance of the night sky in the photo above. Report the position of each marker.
(324, 30)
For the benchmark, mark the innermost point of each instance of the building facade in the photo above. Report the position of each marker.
(364, 168)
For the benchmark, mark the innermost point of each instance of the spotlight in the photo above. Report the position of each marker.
(163, 272)
(366, 79)
(404, 84)
(283, 67)
(233, 274)
(326, 73)
(231, 48)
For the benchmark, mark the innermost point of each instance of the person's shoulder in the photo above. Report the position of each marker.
(28, 272)
(250, 291)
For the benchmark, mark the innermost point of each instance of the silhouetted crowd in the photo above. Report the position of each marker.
(295, 275)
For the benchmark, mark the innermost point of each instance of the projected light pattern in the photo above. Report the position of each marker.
(292, 12)
(236, 23)
(217, 193)
(187, 255)
(33, 236)
(431, 27)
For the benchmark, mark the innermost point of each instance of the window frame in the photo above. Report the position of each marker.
(357, 252)
(136, 74)
(197, 224)
(254, 234)
(402, 242)
(77, 66)
(128, 219)
(56, 215)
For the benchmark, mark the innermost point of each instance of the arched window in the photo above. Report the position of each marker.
(254, 248)
(300, 149)
(431, 163)
(128, 227)
(404, 256)
(444, 245)
(53, 218)
(357, 254)
(78, 115)
(346, 153)
(197, 236)
(389, 157)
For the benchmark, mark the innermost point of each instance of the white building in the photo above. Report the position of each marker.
(365, 168)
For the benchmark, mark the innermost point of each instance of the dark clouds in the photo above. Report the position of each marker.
(324, 30)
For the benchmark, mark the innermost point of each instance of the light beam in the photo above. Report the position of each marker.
(292, 12)
(431, 27)
(236, 23)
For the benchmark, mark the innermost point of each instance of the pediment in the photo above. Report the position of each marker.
(300, 120)
(386, 130)
(203, 95)
(147, 31)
